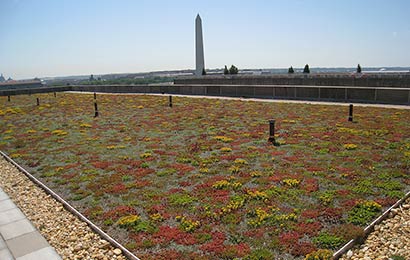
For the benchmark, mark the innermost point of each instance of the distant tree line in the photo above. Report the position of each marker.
(306, 69)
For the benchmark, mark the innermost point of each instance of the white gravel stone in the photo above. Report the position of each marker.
(117, 251)
(391, 237)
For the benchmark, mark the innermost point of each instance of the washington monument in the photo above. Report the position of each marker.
(199, 47)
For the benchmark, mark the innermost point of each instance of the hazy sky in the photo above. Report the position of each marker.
(71, 37)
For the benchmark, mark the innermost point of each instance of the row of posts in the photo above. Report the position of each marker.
(95, 102)
(272, 126)
(271, 121)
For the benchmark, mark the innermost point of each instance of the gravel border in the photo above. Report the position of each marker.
(390, 237)
(71, 237)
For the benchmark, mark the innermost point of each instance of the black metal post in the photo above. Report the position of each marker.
(350, 113)
(95, 109)
(8, 98)
(271, 130)
(55, 95)
(170, 101)
(38, 101)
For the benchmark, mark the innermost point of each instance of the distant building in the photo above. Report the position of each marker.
(20, 84)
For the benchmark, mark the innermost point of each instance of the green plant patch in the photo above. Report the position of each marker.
(325, 240)
(363, 213)
(145, 226)
(178, 199)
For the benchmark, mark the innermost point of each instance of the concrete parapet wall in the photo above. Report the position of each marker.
(382, 95)
(121, 88)
(298, 92)
(23, 91)
(399, 80)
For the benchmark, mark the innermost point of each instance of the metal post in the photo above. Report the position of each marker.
(95, 109)
(170, 101)
(271, 130)
(38, 101)
(8, 98)
(351, 113)
(55, 95)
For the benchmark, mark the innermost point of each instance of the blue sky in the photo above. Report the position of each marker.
(80, 37)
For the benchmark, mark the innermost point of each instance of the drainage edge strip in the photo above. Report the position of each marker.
(71, 209)
(370, 228)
